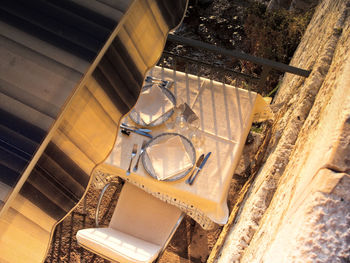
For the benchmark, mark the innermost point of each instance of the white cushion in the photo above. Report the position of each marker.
(117, 245)
(144, 216)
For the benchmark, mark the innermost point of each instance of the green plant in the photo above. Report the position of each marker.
(257, 128)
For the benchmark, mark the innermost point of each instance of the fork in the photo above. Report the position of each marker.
(133, 154)
(138, 159)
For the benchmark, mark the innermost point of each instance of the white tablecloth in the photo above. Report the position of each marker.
(226, 114)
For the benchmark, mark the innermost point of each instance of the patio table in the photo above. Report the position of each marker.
(226, 114)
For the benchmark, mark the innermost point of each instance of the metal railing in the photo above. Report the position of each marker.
(259, 81)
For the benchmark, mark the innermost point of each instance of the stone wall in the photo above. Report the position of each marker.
(298, 208)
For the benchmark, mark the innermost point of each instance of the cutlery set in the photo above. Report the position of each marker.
(198, 163)
(126, 129)
(165, 83)
(138, 158)
(133, 154)
(199, 166)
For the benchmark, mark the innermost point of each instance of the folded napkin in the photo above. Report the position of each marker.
(169, 157)
(152, 104)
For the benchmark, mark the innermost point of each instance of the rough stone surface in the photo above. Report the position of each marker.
(316, 231)
(311, 132)
(323, 143)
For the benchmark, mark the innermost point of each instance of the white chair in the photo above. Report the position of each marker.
(140, 228)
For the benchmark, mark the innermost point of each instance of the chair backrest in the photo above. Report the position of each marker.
(144, 216)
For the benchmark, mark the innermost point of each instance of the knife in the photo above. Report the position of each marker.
(124, 125)
(136, 131)
(198, 163)
(200, 168)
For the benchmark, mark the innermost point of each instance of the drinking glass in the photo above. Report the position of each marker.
(196, 135)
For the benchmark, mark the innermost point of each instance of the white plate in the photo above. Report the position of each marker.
(188, 146)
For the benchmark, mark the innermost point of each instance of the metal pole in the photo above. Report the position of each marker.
(240, 55)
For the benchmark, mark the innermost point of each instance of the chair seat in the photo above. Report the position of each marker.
(118, 246)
